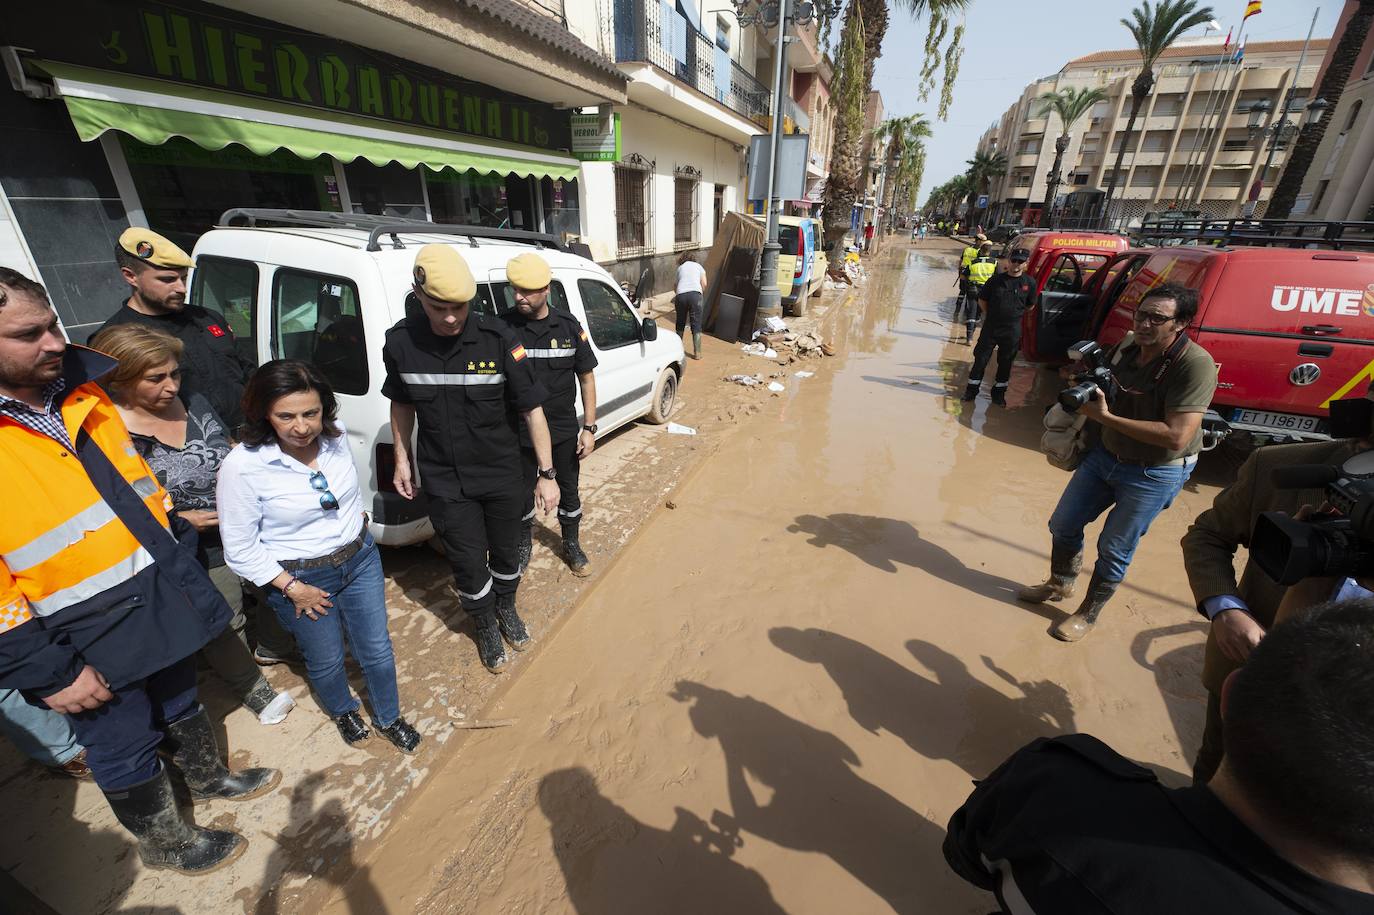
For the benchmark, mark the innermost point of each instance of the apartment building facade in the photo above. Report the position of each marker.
(1199, 143)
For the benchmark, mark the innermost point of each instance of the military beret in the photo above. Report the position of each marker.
(441, 272)
(529, 271)
(147, 245)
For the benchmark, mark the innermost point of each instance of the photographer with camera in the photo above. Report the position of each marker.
(1242, 612)
(1161, 384)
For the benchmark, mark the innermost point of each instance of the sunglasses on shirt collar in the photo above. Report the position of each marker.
(328, 501)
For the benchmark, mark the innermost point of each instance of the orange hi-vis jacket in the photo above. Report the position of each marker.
(81, 538)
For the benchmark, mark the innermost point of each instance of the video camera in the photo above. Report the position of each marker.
(1095, 374)
(1337, 544)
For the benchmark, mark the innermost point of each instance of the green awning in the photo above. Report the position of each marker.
(154, 111)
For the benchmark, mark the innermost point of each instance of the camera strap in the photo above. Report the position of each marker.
(1170, 355)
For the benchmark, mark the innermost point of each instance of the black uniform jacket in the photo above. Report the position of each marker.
(1008, 297)
(468, 392)
(559, 352)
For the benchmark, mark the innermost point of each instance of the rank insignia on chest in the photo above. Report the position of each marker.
(472, 367)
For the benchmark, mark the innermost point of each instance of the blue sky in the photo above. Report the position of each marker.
(1010, 43)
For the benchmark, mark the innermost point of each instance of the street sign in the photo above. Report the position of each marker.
(982, 201)
(791, 180)
(596, 139)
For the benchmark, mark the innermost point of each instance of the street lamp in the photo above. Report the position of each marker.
(1279, 133)
(1314, 111)
(1259, 112)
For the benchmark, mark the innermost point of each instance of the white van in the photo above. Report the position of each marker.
(326, 287)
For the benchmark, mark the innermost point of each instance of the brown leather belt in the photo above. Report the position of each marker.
(1137, 462)
(336, 558)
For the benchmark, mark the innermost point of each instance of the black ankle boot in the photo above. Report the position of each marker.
(191, 745)
(971, 390)
(526, 543)
(352, 729)
(165, 838)
(402, 735)
(999, 396)
(572, 552)
(490, 648)
(510, 623)
(1081, 623)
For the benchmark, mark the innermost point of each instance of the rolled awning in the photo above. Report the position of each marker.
(153, 111)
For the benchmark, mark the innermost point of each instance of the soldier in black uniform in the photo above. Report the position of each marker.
(1003, 299)
(560, 351)
(1067, 825)
(211, 364)
(468, 379)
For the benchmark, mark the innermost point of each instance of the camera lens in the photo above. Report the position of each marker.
(1073, 398)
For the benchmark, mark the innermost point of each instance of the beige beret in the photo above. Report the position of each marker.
(147, 245)
(529, 271)
(441, 273)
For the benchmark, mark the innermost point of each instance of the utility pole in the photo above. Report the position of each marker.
(770, 297)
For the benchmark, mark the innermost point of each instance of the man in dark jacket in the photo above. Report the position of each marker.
(101, 608)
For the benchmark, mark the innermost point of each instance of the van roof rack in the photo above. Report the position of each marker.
(377, 226)
(1164, 229)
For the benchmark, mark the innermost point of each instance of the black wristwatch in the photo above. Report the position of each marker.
(590, 428)
(549, 474)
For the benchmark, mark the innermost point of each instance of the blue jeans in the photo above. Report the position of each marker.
(1135, 496)
(358, 615)
(40, 734)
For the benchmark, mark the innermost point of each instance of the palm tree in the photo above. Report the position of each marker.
(959, 188)
(1154, 29)
(1333, 82)
(898, 136)
(1070, 104)
(982, 168)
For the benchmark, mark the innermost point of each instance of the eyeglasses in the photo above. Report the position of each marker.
(1152, 318)
(328, 501)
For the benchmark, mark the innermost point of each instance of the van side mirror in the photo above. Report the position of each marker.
(649, 330)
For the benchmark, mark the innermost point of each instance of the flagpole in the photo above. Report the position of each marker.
(1219, 115)
(1278, 125)
(1186, 178)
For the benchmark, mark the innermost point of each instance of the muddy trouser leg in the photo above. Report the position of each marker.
(460, 523)
(1008, 341)
(228, 652)
(683, 312)
(501, 519)
(569, 468)
(1210, 753)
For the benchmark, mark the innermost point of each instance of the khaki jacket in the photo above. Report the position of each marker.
(1209, 547)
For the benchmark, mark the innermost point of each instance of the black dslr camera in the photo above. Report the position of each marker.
(1094, 374)
(1337, 543)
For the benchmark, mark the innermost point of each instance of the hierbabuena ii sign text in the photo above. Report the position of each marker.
(212, 47)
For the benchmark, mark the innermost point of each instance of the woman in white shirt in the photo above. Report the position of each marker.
(291, 521)
(691, 282)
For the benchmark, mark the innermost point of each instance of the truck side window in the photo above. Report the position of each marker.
(316, 318)
(1066, 275)
(609, 320)
(504, 297)
(230, 287)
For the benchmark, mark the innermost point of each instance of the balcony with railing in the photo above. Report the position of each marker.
(653, 32)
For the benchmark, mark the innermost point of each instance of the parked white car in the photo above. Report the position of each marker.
(325, 287)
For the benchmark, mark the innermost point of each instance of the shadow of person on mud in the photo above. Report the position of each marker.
(612, 862)
(954, 716)
(816, 802)
(317, 844)
(1178, 673)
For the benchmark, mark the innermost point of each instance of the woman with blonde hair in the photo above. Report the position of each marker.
(185, 444)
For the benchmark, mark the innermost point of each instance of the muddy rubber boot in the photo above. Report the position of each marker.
(971, 391)
(509, 622)
(191, 745)
(577, 560)
(165, 838)
(270, 706)
(1081, 623)
(526, 543)
(696, 345)
(1063, 578)
(999, 396)
(490, 648)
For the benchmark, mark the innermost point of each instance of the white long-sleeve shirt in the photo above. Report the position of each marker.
(268, 511)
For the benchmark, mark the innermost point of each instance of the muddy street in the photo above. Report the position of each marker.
(782, 689)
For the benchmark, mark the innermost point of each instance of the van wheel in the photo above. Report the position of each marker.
(665, 397)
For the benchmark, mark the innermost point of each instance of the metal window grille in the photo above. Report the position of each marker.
(633, 212)
(685, 182)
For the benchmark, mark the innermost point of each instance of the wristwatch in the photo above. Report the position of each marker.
(591, 427)
(549, 474)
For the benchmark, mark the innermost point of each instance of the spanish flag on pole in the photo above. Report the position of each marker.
(1252, 8)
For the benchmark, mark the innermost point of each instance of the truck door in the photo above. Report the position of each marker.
(1060, 316)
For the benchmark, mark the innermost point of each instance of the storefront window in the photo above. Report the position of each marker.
(473, 199)
(184, 189)
(562, 207)
(388, 190)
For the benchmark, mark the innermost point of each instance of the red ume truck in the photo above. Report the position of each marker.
(1286, 310)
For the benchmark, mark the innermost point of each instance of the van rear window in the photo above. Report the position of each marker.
(787, 238)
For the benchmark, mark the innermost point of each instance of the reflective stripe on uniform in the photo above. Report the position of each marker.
(450, 378)
(14, 613)
(513, 576)
(529, 517)
(144, 486)
(550, 353)
(479, 595)
(48, 544)
(572, 514)
(116, 574)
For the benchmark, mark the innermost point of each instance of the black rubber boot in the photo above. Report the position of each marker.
(577, 560)
(999, 396)
(510, 623)
(165, 838)
(1081, 623)
(490, 648)
(526, 543)
(1064, 568)
(190, 743)
(971, 390)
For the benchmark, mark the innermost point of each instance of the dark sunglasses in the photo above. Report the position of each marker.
(328, 501)
(1152, 319)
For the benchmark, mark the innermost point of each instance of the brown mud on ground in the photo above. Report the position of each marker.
(781, 691)
(335, 803)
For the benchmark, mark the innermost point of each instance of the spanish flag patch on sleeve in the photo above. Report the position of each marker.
(518, 352)
(582, 334)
